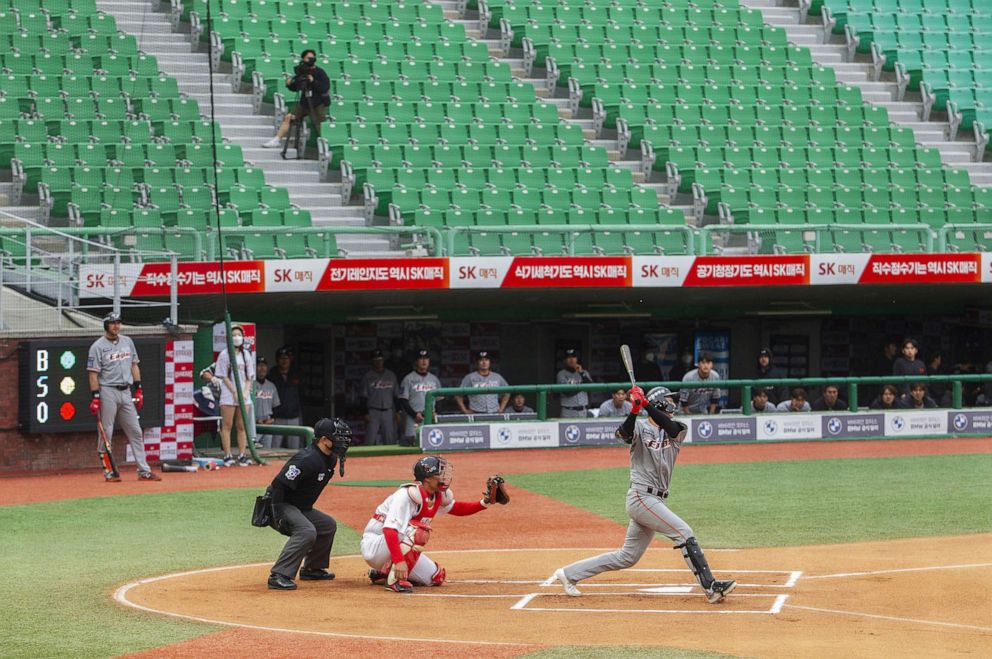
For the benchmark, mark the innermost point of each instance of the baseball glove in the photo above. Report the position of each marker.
(495, 491)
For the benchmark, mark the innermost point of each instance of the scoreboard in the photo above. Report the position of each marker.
(54, 385)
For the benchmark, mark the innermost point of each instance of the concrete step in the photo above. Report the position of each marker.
(32, 213)
(247, 134)
(347, 216)
(286, 178)
(826, 54)
(146, 27)
(951, 153)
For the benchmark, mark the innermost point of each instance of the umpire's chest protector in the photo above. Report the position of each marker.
(305, 476)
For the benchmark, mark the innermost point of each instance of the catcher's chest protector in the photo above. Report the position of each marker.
(428, 507)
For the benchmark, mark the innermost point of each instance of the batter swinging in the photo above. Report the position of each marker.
(654, 447)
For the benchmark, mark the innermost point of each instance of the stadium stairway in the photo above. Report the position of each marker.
(456, 10)
(148, 21)
(834, 53)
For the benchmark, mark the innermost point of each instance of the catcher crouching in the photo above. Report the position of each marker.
(395, 537)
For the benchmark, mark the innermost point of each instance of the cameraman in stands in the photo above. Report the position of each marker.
(313, 85)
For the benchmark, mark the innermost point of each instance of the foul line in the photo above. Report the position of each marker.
(893, 618)
(905, 569)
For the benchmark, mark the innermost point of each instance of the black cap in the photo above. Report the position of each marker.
(261, 360)
(284, 351)
(481, 354)
(765, 352)
(423, 353)
(377, 354)
(705, 357)
(571, 352)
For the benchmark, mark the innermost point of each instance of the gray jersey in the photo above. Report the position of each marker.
(652, 456)
(415, 386)
(266, 399)
(698, 400)
(484, 403)
(579, 398)
(112, 360)
(609, 409)
(380, 389)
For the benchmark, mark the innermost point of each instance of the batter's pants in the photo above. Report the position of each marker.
(376, 554)
(648, 515)
(382, 427)
(311, 537)
(116, 406)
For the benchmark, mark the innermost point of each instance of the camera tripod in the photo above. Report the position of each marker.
(296, 124)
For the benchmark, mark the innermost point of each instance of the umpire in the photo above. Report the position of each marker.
(115, 384)
(294, 491)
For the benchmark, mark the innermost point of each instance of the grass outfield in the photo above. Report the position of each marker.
(62, 560)
(757, 504)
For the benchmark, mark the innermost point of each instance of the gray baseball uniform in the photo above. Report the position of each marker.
(573, 405)
(379, 389)
(609, 409)
(652, 459)
(266, 399)
(483, 403)
(112, 361)
(414, 388)
(698, 400)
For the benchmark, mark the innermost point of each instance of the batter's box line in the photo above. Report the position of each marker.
(775, 608)
(586, 584)
(789, 583)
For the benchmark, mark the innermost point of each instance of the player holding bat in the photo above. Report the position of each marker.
(654, 447)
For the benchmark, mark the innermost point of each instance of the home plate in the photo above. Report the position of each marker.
(667, 589)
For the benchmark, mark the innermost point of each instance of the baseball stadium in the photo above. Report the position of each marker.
(544, 329)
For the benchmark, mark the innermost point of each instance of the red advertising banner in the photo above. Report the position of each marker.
(922, 269)
(576, 272)
(359, 274)
(201, 278)
(791, 270)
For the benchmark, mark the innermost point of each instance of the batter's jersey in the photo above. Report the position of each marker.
(112, 360)
(579, 398)
(653, 455)
(483, 403)
(415, 387)
(402, 506)
(380, 389)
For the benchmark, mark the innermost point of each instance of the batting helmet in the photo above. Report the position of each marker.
(661, 397)
(112, 317)
(433, 465)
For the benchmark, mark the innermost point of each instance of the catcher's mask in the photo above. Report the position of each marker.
(434, 465)
(339, 433)
(662, 398)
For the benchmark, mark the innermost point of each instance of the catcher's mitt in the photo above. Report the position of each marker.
(495, 491)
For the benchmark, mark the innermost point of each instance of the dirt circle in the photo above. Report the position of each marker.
(912, 597)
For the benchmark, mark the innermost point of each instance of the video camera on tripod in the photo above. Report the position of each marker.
(302, 82)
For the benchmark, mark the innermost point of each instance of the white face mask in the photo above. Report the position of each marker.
(238, 340)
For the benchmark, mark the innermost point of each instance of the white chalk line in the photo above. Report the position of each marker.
(666, 611)
(554, 583)
(892, 618)
(895, 571)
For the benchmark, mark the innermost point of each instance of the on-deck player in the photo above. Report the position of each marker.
(394, 537)
(654, 447)
(113, 373)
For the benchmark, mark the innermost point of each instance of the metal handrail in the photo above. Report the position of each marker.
(704, 232)
(852, 383)
(946, 230)
(453, 231)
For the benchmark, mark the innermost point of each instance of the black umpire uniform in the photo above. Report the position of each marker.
(294, 491)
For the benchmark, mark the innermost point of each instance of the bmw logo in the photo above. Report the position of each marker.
(898, 423)
(834, 425)
(503, 435)
(435, 437)
(704, 429)
(960, 422)
(572, 434)
(770, 426)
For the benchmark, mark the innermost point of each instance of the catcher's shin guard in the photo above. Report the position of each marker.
(438, 577)
(696, 560)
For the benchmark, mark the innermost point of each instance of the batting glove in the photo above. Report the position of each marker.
(139, 396)
(95, 404)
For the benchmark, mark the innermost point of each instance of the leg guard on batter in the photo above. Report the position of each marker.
(696, 560)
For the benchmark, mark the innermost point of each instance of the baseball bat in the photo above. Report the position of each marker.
(628, 363)
(109, 463)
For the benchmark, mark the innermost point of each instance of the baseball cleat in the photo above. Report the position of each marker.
(569, 587)
(281, 582)
(401, 586)
(718, 590)
(377, 577)
(110, 478)
(148, 476)
(316, 575)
